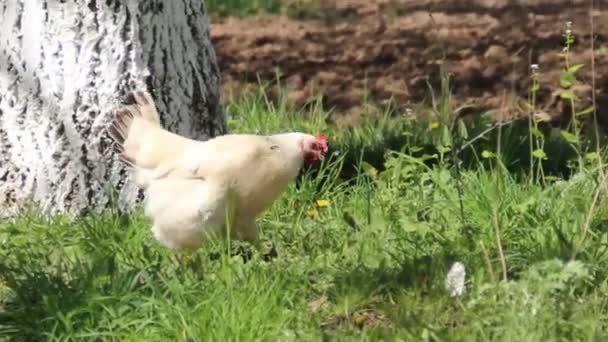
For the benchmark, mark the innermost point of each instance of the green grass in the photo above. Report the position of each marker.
(364, 242)
(243, 7)
(296, 9)
(369, 266)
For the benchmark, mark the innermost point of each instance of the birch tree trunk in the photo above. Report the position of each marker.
(65, 65)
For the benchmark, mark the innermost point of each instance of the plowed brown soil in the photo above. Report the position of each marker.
(389, 48)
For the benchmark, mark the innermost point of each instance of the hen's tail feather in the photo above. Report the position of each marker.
(140, 106)
(119, 131)
(120, 125)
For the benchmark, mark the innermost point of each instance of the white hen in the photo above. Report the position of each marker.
(193, 188)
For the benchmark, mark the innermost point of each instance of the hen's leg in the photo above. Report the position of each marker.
(248, 231)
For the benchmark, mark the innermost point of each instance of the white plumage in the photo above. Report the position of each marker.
(193, 188)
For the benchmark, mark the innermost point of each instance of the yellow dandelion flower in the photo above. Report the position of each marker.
(322, 203)
(359, 319)
(312, 214)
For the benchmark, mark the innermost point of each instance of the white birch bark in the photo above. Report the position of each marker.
(65, 65)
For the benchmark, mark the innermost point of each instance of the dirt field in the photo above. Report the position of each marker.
(390, 47)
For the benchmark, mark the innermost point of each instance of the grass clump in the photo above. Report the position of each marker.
(243, 7)
(362, 257)
(296, 9)
(365, 260)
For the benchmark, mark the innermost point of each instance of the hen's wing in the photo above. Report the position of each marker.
(187, 211)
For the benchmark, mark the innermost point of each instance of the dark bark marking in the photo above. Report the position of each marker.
(19, 17)
(115, 4)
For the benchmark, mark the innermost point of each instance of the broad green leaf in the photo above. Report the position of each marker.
(574, 68)
(536, 132)
(567, 80)
(369, 169)
(571, 138)
(540, 154)
(462, 129)
(410, 226)
(568, 95)
(444, 149)
(592, 156)
(487, 154)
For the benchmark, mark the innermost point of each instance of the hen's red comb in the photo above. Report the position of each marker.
(323, 141)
